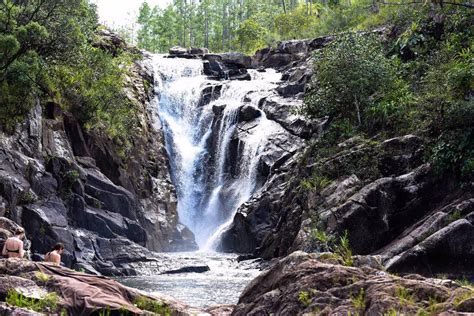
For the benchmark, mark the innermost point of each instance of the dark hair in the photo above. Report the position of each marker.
(58, 246)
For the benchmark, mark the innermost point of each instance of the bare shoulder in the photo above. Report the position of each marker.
(54, 255)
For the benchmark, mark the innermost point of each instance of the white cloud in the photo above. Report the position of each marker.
(122, 12)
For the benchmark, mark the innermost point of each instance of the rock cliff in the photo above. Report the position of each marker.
(380, 190)
(65, 183)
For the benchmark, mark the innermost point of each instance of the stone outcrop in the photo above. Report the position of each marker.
(69, 288)
(303, 284)
(382, 195)
(65, 183)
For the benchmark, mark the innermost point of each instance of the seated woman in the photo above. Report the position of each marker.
(13, 247)
(54, 256)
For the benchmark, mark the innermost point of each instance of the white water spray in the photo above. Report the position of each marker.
(198, 142)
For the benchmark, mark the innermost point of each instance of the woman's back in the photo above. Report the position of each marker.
(13, 248)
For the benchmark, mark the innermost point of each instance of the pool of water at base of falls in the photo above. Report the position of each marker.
(223, 284)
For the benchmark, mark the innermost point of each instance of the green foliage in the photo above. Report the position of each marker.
(251, 36)
(321, 240)
(316, 182)
(352, 77)
(105, 311)
(359, 301)
(92, 88)
(464, 295)
(48, 303)
(27, 197)
(34, 34)
(151, 305)
(343, 250)
(464, 282)
(404, 296)
(304, 298)
(42, 277)
(454, 216)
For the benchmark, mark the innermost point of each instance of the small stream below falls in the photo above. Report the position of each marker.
(223, 284)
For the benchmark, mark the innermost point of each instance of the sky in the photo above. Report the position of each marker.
(115, 13)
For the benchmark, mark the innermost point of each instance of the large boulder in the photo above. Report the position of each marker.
(301, 284)
(103, 295)
(282, 111)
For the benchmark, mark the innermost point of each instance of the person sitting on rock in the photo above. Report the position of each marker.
(13, 247)
(54, 256)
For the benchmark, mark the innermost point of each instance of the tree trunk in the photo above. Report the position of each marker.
(206, 27)
(359, 119)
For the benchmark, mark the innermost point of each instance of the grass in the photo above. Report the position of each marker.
(462, 297)
(151, 305)
(343, 250)
(47, 304)
(454, 216)
(304, 298)
(359, 301)
(433, 306)
(391, 312)
(404, 296)
(464, 282)
(315, 182)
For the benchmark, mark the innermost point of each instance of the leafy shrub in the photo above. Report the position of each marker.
(352, 76)
(53, 34)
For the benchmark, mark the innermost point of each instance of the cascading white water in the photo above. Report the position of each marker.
(198, 143)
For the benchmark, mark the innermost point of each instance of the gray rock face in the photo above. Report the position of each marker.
(227, 66)
(282, 110)
(63, 183)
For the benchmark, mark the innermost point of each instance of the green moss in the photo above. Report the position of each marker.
(151, 305)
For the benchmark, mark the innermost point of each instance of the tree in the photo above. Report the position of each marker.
(352, 75)
(251, 36)
(34, 34)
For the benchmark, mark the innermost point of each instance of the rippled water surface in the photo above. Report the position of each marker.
(223, 284)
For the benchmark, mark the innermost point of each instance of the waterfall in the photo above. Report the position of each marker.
(212, 176)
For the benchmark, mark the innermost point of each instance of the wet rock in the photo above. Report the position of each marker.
(238, 59)
(248, 113)
(401, 154)
(228, 66)
(279, 60)
(177, 50)
(291, 89)
(193, 269)
(282, 111)
(210, 93)
(221, 310)
(198, 51)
